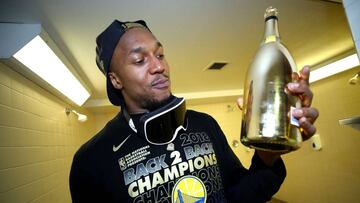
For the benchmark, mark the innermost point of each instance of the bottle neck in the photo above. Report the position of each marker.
(271, 30)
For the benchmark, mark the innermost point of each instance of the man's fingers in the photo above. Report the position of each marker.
(295, 76)
(308, 129)
(303, 91)
(311, 114)
(306, 117)
(305, 74)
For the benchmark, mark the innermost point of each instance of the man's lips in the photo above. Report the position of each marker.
(162, 83)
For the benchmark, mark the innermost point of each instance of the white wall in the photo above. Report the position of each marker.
(352, 10)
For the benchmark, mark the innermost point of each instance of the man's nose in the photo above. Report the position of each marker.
(156, 66)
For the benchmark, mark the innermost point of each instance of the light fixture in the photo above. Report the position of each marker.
(334, 68)
(355, 79)
(41, 60)
(235, 143)
(81, 117)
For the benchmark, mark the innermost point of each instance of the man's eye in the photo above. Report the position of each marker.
(160, 56)
(140, 61)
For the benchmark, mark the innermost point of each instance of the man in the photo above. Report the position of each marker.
(154, 150)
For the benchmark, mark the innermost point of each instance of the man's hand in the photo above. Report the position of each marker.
(306, 115)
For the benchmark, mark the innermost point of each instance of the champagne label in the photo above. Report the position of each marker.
(270, 38)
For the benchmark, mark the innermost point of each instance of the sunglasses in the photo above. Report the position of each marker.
(162, 125)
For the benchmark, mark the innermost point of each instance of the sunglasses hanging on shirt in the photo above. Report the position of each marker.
(162, 125)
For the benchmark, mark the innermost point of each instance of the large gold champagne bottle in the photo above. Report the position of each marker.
(267, 123)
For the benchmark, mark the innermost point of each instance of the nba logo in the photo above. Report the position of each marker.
(122, 163)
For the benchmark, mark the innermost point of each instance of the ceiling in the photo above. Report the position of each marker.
(194, 34)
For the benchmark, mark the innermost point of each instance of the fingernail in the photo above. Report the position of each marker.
(302, 120)
(293, 85)
(297, 112)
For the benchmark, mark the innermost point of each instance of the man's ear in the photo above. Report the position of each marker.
(115, 80)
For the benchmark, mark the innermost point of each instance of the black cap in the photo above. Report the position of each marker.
(105, 45)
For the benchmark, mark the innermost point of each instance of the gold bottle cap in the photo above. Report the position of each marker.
(271, 12)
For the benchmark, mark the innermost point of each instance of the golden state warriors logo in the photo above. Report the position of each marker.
(189, 189)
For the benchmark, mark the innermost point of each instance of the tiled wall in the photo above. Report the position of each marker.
(37, 141)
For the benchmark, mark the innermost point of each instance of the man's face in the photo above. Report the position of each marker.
(140, 71)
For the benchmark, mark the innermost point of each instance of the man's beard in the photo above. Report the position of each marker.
(152, 104)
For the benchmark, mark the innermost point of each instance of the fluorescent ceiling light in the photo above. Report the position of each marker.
(40, 59)
(334, 68)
